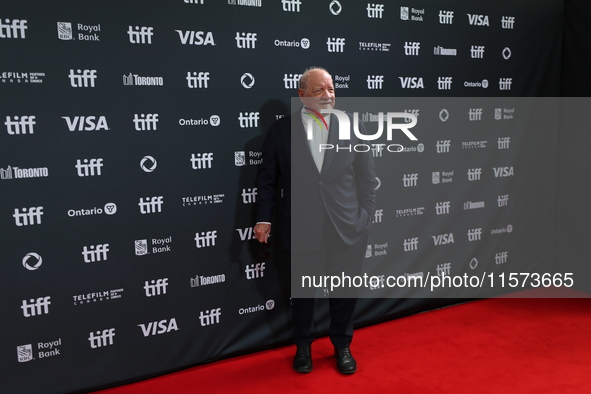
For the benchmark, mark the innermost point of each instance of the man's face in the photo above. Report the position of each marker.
(319, 94)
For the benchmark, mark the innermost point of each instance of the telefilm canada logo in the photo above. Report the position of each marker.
(345, 130)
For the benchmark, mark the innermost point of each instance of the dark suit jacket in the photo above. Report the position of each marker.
(345, 188)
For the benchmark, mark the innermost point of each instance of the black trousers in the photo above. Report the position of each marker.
(333, 258)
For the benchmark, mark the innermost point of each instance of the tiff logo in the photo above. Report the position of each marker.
(443, 146)
(475, 114)
(249, 196)
(501, 258)
(411, 244)
(40, 306)
(442, 208)
(14, 29)
(255, 271)
(335, 44)
(503, 142)
(375, 10)
(82, 78)
(474, 234)
(290, 81)
(94, 253)
(411, 48)
(503, 200)
(414, 112)
(101, 339)
(151, 205)
(197, 80)
(291, 5)
(22, 125)
(505, 83)
(375, 81)
(145, 122)
(444, 269)
(28, 217)
(201, 160)
(477, 52)
(246, 40)
(446, 17)
(140, 35)
(507, 22)
(88, 167)
(205, 239)
(155, 287)
(444, 83)
(410, 180)
(378, 216)
(474, 174)
(210, 317)
(248, 119)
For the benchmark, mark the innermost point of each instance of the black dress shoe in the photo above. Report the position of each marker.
(345, 362)
(302, 361)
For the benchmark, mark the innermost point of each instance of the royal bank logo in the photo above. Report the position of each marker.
(24, 353)
(17, 125)
(138, 80)
(246, 40)
(15, 28)
(32, 261)
(200, 38)
(197, 80)
(412, 14)
(438, 177)
(140, 35)
(64, 31)
(375, 10)
(252, 158)
(82, 78)
(504, 113)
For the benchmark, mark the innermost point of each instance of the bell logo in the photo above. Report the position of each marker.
(159, 327)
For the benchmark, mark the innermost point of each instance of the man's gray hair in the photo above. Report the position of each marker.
(306, 75)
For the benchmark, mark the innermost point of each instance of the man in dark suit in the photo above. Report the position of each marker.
(326, 210)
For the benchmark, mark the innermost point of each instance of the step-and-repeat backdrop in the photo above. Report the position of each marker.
(131, 137)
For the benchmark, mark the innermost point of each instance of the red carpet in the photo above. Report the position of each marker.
(490, 346)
